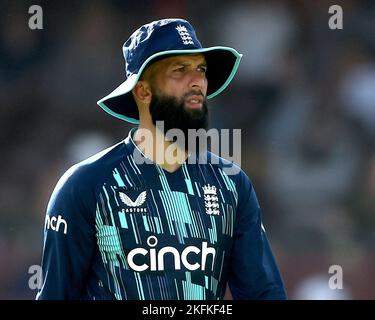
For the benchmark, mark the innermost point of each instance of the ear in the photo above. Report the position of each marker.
(142, 92)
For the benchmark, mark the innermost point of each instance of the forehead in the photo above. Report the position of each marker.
(196, 58)
(161, 66)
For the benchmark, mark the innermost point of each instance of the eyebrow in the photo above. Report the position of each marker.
(186, 64)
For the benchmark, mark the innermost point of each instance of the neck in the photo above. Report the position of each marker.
(154, 145)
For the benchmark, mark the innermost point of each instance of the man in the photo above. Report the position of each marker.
(134, 223)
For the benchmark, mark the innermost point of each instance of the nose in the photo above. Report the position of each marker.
(198, 80)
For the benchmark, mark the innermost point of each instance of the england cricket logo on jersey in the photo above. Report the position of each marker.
(184, 34)
(134, 205)
(211, 200)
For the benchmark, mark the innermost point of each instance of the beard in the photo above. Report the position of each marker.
(175, 115)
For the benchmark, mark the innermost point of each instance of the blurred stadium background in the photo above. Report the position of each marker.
(304, 98)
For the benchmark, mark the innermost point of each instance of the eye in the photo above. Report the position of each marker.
(179, 69)
(202, 69)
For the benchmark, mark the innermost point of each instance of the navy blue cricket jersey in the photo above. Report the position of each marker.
(120, 229)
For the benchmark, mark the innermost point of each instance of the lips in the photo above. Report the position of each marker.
(195, 101)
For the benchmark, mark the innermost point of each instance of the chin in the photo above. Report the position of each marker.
(193, 109)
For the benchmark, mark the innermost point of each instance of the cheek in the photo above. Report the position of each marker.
(174, 87)
(204, 88)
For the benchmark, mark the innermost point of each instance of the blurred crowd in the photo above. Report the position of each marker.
(304, 97)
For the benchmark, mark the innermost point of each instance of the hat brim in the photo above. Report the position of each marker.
(222, 65)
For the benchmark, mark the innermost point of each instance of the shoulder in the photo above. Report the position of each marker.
(83, 177)
(247, 204)
(229, 168)
(92, 168)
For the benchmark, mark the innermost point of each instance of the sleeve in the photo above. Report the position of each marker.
(253, 272)
(69, 239)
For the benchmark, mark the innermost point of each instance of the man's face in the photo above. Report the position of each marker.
(179, 88)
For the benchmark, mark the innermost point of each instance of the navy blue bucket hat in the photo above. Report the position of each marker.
(152, 42)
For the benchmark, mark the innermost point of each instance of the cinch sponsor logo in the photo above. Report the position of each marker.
(157, 256)
(55, 223)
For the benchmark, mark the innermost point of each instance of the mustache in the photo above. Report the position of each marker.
(194, 93)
